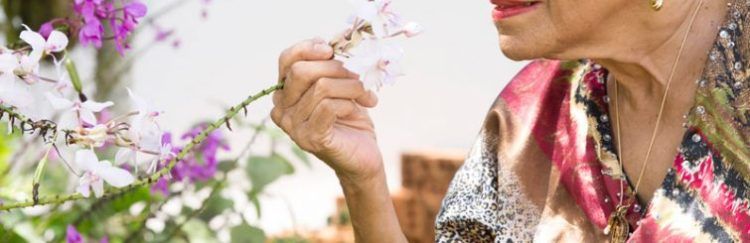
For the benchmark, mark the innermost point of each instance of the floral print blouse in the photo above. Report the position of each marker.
(554, 117)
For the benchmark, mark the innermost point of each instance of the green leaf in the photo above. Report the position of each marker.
(301, 155)
(227, 165)
(247, 234)
(265, 170)
(215, 206)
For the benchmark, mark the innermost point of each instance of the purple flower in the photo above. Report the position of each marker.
(72, 235)
(162, 34)
(91, 11)
(135, 9)
(161, 186)
(122, 21)
(122, 30)
(200, 165)
(46, 29)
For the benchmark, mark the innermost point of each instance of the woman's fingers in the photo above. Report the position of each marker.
(310, 133)
(350, 89)
(303, 74)
(307, 50)
(369, 99)
(323, 117)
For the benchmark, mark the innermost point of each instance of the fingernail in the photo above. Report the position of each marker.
(323, 48)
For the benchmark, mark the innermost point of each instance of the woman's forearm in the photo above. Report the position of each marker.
(371, 209)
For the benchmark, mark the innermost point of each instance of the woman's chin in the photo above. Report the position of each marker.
(517, 51)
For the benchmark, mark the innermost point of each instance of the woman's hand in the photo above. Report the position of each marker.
(323, 109)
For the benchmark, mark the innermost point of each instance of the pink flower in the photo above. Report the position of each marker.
(72, 235)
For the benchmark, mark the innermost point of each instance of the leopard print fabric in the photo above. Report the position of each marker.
(482, 206)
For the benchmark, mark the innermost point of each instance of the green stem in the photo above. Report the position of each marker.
(59, 199)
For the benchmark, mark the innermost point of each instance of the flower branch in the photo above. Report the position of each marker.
(59, 199)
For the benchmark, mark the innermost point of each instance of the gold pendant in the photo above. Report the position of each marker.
(617, 226)
(656, 4)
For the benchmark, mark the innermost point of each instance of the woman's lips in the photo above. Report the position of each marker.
(508, 8)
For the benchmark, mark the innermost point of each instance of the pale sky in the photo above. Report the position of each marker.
(454, 72)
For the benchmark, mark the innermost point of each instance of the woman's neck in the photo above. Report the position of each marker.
(642, 73)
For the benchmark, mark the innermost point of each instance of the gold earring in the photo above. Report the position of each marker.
(656, 4)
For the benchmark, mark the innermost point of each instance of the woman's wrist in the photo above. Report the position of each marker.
(370, 206)
(357, 181)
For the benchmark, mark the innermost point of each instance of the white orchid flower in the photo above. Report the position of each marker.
(13, 92)
(144, 155)
(28, 69)
(76, 113)
(56, 42)
(96, 172)
(376, 62)
(145, 134)
(382, 18)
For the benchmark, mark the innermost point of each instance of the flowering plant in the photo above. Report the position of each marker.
(125, 167)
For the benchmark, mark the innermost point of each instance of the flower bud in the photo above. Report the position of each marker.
(412, 29)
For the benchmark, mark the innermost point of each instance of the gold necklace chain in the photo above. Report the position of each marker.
(618, 226)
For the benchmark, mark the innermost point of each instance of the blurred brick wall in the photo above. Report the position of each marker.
(425, 178)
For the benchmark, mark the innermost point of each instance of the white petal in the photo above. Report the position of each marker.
(98, 186)
(58, 103)
(36, 41)
(87, 117)
(138, 102)
(57, 41)
(8, 62)
(379, 28)
(86, 160)
(83, 187)
(96, 106)
(68, 120)
(30, 64)
(372, 79)
(115, 176)
(367, 10)
(124, 155)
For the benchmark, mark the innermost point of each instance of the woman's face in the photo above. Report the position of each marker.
(556, 29)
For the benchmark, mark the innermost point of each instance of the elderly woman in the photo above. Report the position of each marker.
(631, 124)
